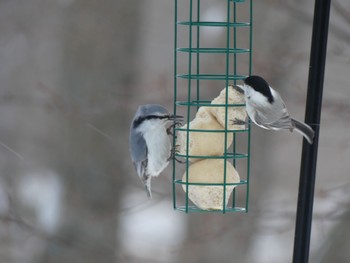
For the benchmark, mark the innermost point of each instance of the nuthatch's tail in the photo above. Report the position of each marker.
(147, 181)
(304, 130)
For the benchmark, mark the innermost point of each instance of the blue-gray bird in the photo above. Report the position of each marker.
(150, 144)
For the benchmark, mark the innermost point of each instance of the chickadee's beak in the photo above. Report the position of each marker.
(239, 88)
(175, 117)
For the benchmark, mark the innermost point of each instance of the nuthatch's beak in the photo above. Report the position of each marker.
(175, 117)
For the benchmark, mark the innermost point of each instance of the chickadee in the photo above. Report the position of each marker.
(150, 145)
(266, 108)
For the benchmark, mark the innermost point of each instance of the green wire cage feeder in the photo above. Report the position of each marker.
(209, 56)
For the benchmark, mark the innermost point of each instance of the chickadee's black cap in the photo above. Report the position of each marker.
(260, 85)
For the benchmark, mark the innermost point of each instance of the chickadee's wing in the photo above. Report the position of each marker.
(271, 115)
(258, 118)
(280, 113)
(284, 122)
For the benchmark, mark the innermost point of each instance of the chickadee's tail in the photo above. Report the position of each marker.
(304, 130)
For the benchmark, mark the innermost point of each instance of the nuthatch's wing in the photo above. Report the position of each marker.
(138, 149)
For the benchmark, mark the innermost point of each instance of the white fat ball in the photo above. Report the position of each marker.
(203, 143)
(234, 97)
(210, 171)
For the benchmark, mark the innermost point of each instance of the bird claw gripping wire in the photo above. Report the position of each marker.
(176, 123)
(237, 121)
(174, 151)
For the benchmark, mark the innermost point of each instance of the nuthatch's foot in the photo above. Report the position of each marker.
(237, 121)
(176, 123)
(179, 161)
(174, 151)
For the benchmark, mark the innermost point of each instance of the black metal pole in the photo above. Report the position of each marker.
(312, 116)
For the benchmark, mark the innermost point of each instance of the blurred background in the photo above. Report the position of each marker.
(72, 74)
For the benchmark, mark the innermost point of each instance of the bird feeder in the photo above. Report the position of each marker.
(214, 177)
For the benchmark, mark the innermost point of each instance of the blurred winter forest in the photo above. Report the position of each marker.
(72, 73)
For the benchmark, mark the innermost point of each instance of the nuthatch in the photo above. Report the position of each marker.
(150, 145)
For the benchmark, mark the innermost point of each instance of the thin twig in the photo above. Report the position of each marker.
(11, 150)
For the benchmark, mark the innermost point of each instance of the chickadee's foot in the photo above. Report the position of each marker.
(237, 121)
(176, 123)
